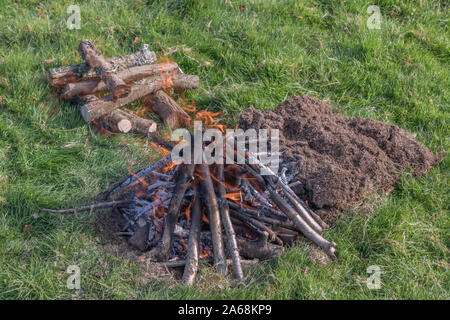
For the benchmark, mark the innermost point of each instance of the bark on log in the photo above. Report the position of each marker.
(210, 202)
(169, 111)
(191, 267)
(184, 174)
(104, 69)
(93, 110)
(228, 226)
(71, 90)
(127, 121)
(59, 77)
(259, 249)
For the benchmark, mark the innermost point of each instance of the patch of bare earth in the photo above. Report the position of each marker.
(340, 159)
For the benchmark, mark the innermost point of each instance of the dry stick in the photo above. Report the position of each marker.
(190, 269)
(90, 207)
(210, 201)
(259, 225)
(104, 69)
(183, 176)
(95, 109)
(182, 263)
(169, 111)
(228, 226)
(123, 187)
(304, 227)
(304, 214)
(59, 77)
(71, 90)
(298, 203)
(192, 257)
(256, 215)
(261, 198)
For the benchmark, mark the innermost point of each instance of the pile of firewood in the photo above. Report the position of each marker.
(126, 78)
(184, 213)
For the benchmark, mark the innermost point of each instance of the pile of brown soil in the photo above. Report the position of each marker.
(340, 159)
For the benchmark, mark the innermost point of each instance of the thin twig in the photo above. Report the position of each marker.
(90, 207)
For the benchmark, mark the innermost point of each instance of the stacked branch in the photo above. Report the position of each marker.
(249, 215)
(224, 214)
(103, 87)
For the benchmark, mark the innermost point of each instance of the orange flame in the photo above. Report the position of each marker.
(142, 181)
(204, 217)
(183, 243)
(235, 196)
(160, 149)
(170, 166)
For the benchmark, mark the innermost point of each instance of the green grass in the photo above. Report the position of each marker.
(259, 56)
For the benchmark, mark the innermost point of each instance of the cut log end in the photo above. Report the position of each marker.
(85, 113)
(124, 125)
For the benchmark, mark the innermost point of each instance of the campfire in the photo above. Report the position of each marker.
(225, 214)
(184, 213)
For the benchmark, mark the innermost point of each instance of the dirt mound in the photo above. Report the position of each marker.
(340, 159)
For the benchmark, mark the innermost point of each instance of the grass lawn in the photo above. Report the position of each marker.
(246, 53)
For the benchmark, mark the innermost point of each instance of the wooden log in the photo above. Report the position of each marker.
(228, 226)
(169, 111)
(191, 267)
(95, 109)
(59, 77)
(127, 121)
(104, 69)
(71, 90)
(210, 201)
(183, 176)
(260, 249)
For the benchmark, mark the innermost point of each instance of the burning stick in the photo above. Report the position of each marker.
(95, 109)
(210, 202)
(190, 269)
(228, 226)
(184, 175)
(71, 90)
(59, 77)
(125, 186)
(104, 69)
